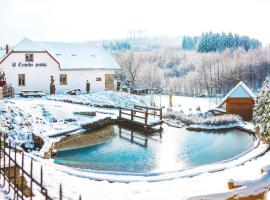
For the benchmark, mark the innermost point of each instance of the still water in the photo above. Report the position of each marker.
(129, 151)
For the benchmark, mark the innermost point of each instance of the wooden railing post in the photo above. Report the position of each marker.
(132, 116)
(146, 116)
(120, 112)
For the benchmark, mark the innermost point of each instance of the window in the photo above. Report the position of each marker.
(63, 79)
(21, 79)
(98, 79)
(29, 57)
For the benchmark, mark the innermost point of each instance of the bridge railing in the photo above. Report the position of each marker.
(151, 110)
(145, 112)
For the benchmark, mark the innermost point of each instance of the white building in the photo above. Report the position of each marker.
(30, 65)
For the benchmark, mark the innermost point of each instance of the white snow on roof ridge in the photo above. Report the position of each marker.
(234, 91)
(27, 45)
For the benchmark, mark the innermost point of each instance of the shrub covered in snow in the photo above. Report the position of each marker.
(17, 126)
(182, 117)
(104, 99)
(203, 118)
(261, 112)
(222, 120)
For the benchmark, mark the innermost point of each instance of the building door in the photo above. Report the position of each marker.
(109, 81)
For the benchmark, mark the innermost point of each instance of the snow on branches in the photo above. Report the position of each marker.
(261, 112)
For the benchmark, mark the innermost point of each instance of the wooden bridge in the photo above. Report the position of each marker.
(142, 116)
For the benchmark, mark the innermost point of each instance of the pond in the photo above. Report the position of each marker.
(125, 150)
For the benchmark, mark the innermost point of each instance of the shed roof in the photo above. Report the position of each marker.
(72, 55)
(241, 90)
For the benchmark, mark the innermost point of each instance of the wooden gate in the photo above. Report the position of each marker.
(109, 81)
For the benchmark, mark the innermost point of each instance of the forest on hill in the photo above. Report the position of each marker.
(218, 42)
(196, 72)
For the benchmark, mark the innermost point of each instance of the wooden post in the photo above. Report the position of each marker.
(120, 131)
(160, 113)
(120, 112)
(1, 93)
(145, 142)
(170, 100)
(132, 136)
(146, 116)
(131, 115)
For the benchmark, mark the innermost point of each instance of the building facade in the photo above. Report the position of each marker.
(31, 66)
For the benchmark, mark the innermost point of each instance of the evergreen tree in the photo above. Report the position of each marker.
(219, 42)
(261, 113)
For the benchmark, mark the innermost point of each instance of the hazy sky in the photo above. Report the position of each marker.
(81, 20)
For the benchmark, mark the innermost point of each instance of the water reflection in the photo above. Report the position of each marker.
(137, 137)
(173, 148)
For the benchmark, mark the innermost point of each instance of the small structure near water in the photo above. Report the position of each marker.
(240, 101)
(139, 116)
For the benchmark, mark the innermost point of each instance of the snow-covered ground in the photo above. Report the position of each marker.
(104, 99)
(207, 182)
(186, 104)
(23, 117)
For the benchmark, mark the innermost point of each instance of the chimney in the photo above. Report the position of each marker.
(7, 49)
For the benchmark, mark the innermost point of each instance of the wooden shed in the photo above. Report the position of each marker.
(240, 101)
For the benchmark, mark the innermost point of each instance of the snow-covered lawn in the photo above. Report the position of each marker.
(104, 99)
(186, 104)
(52, 117)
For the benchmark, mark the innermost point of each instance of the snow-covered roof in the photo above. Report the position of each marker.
(241, 90)
(72, 55)
(27, 45)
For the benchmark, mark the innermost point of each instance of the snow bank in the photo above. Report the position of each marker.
(18, 125)
(109, 99)
(25, 121)
(202, 127)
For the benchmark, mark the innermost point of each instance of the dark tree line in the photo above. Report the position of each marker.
(218, 42)
(117, 46)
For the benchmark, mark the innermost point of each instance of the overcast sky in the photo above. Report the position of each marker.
(84, 20)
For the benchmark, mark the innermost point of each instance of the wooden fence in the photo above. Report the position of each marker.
(17, 178)
(8, 91)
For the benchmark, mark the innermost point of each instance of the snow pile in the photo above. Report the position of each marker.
(243, 188)
(108, 99)
(19, 128)
(261, 113)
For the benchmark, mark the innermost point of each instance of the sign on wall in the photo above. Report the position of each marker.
(29, 64)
